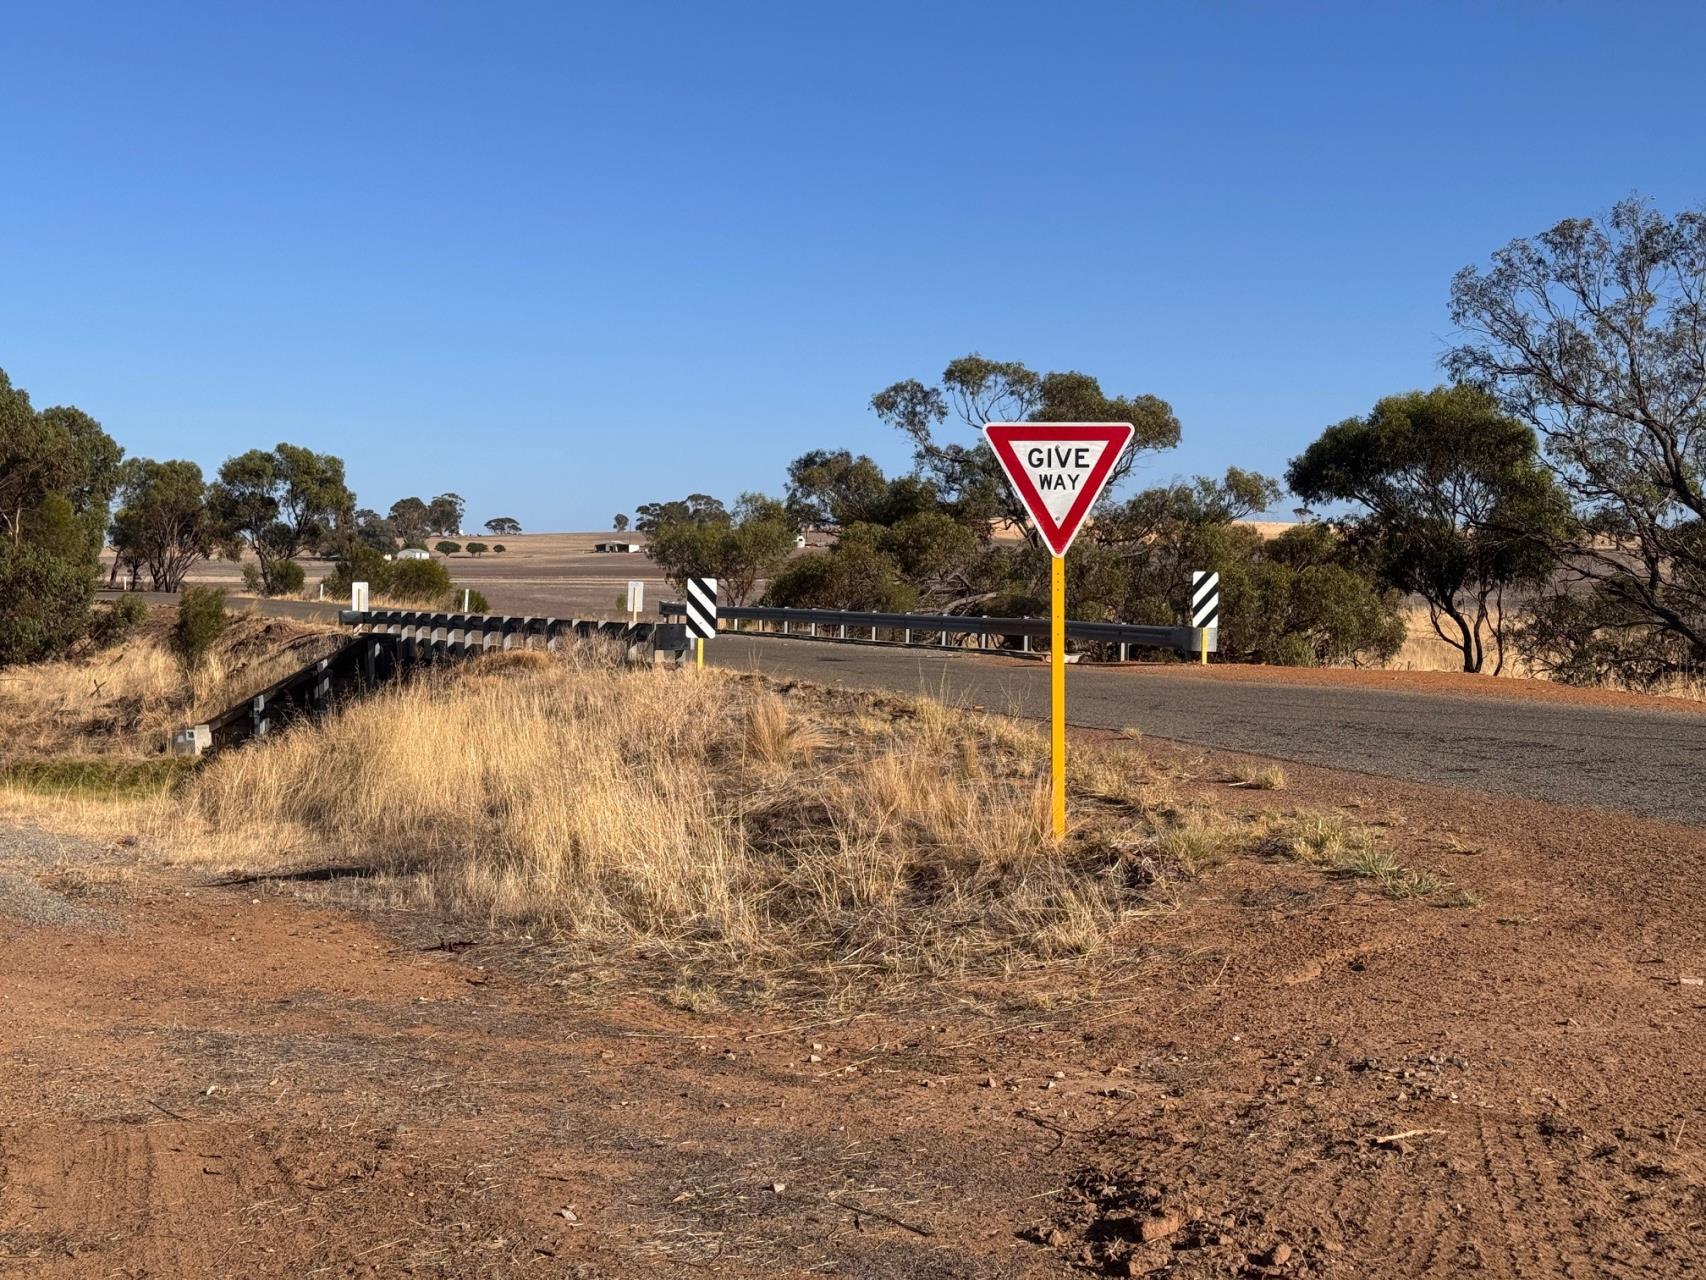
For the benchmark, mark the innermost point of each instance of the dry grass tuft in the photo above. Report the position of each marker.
(1355, 852)
(1268, 777)
(1195, 845)
(774, 737)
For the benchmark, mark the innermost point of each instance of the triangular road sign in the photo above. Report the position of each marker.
(1058, 469)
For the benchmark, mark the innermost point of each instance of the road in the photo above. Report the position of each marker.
(1649, 763)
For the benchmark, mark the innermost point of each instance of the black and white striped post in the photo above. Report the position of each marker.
(1205, 606)
(701, 615)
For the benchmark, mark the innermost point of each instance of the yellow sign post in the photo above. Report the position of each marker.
(701, 596)
(1058, 469)
(1057, 690)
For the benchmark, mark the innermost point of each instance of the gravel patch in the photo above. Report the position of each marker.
(25, 854)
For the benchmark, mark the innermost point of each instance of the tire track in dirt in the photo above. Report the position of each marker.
(1309, 1180)
(76, 1190)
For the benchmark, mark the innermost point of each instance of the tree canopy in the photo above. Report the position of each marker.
(738, 549)
(58, 469)
(1455, 506)
(162, 523)
(278, 503)
(444, 514)
(1591, 333)
(976, 390)
(695, 508)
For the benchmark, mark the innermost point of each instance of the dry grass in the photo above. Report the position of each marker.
(717, 821)
(131, 700)
(1256, 777)
(749, 837)
(1352, 851)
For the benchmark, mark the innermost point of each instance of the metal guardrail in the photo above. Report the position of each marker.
(362, 663)
(456, 634)
(901, 628)
(394, 640)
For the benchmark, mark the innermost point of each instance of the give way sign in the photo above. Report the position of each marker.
(1058, 469)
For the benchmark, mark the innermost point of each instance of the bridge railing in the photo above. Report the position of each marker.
(947, 630)
(436, 634)
(359, 664)
(394, 640)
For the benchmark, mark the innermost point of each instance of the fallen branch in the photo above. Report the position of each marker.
(1391, 1138)
(880, 1215)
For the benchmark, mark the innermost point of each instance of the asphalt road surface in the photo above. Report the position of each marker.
(1650, 763)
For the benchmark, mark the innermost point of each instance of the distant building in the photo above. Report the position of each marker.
(414, 553)
(629, 547)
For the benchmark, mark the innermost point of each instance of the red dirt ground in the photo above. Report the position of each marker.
(235, 1082)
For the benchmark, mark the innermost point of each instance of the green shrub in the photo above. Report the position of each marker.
(477, 603)
(498, 548)
(477, 548)
(286, 578)
(447, 547)
(47, 600)
(422, 582)
(855, 574)
(114, 623)
(282, 578)
(418, 582)
(359, 563)
(201, 621)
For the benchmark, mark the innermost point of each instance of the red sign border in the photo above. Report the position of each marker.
(1002, 436)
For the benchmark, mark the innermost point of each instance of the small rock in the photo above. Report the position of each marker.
(989, 1082)
(1279, 1255)
(814, 1058)
(1056, 1238)
(567, 1213)
(1158, 1226)
(1689, 981)
(778, 1187)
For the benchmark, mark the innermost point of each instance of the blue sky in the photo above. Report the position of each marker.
(564, 259)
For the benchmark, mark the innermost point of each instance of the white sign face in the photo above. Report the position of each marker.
(636, 595)
(1058, 469)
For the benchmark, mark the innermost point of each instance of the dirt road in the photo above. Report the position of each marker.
(1286, 1076)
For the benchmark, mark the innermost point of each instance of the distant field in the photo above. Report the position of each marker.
(551, 574)
(560, 575)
